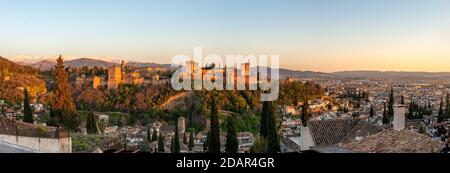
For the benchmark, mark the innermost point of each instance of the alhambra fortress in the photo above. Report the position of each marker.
(122, 74)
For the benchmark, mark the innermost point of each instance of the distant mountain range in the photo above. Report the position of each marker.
(284, 73)
(43, 65)
(88, 62)
(392, 74)
(46, 64)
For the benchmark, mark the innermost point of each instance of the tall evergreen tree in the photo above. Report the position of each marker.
(214, 138)
(28, 113)
(172, 145)
(305, 113)
(441, 115)
(385, 115)
(148, 135)
(411, 110)
(206, 143)
(52, 118)
(191, 142)
(264, 120)
(403, 100)
(232, 144)
(154, 135)
(185, 141)
(91, 124)
(391, 103)
(62, 104)
(176, 139)
(372, 112)
(447, 116)
(273, 140)
(161, 144)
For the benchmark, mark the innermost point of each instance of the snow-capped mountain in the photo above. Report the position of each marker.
(29, 60)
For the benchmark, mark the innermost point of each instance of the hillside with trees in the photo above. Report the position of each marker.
(10, 68)
(14, 78)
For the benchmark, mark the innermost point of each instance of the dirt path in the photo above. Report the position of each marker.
(174, 101)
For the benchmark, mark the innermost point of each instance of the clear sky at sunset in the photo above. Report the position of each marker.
(319, 35)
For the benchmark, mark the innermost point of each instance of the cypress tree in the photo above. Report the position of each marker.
(155, 135)
(232, 144)
(172, 146)
(148, 135)
(28, 113)
(214, 138)
(52, 119)
(385, 115)
(91, 124)
(391, 103)
(305, 113)
(411, 110)
(185, 141)
(264, 119)
(176, 140)
(273, 140)
(191, 142)
(206, 143)
(441, 117)
(372, 112)
(161, 144)
(447, 116)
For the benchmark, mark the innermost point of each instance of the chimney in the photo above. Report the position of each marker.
(399, 117)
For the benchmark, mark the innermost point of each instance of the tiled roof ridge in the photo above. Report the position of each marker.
(359, 124)
(348, 133)
(336, 136)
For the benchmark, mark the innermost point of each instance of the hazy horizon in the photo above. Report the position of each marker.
(118, 60)
(320, 35)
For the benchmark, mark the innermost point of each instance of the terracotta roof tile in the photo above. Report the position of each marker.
(392, 141)
(330, 132)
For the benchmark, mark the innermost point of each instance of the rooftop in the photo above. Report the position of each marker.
(330, 132)
(332, 149)
(393, 141)
(12, 148)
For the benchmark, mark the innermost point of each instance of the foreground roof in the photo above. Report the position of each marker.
(332, 149)
(12, 148)
(393, 141)
(332, 132)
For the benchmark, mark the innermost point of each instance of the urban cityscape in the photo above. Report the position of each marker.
(68, 85)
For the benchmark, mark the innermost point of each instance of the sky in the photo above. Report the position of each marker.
(316, 35)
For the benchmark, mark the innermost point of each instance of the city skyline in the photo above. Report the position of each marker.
(325, 35)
